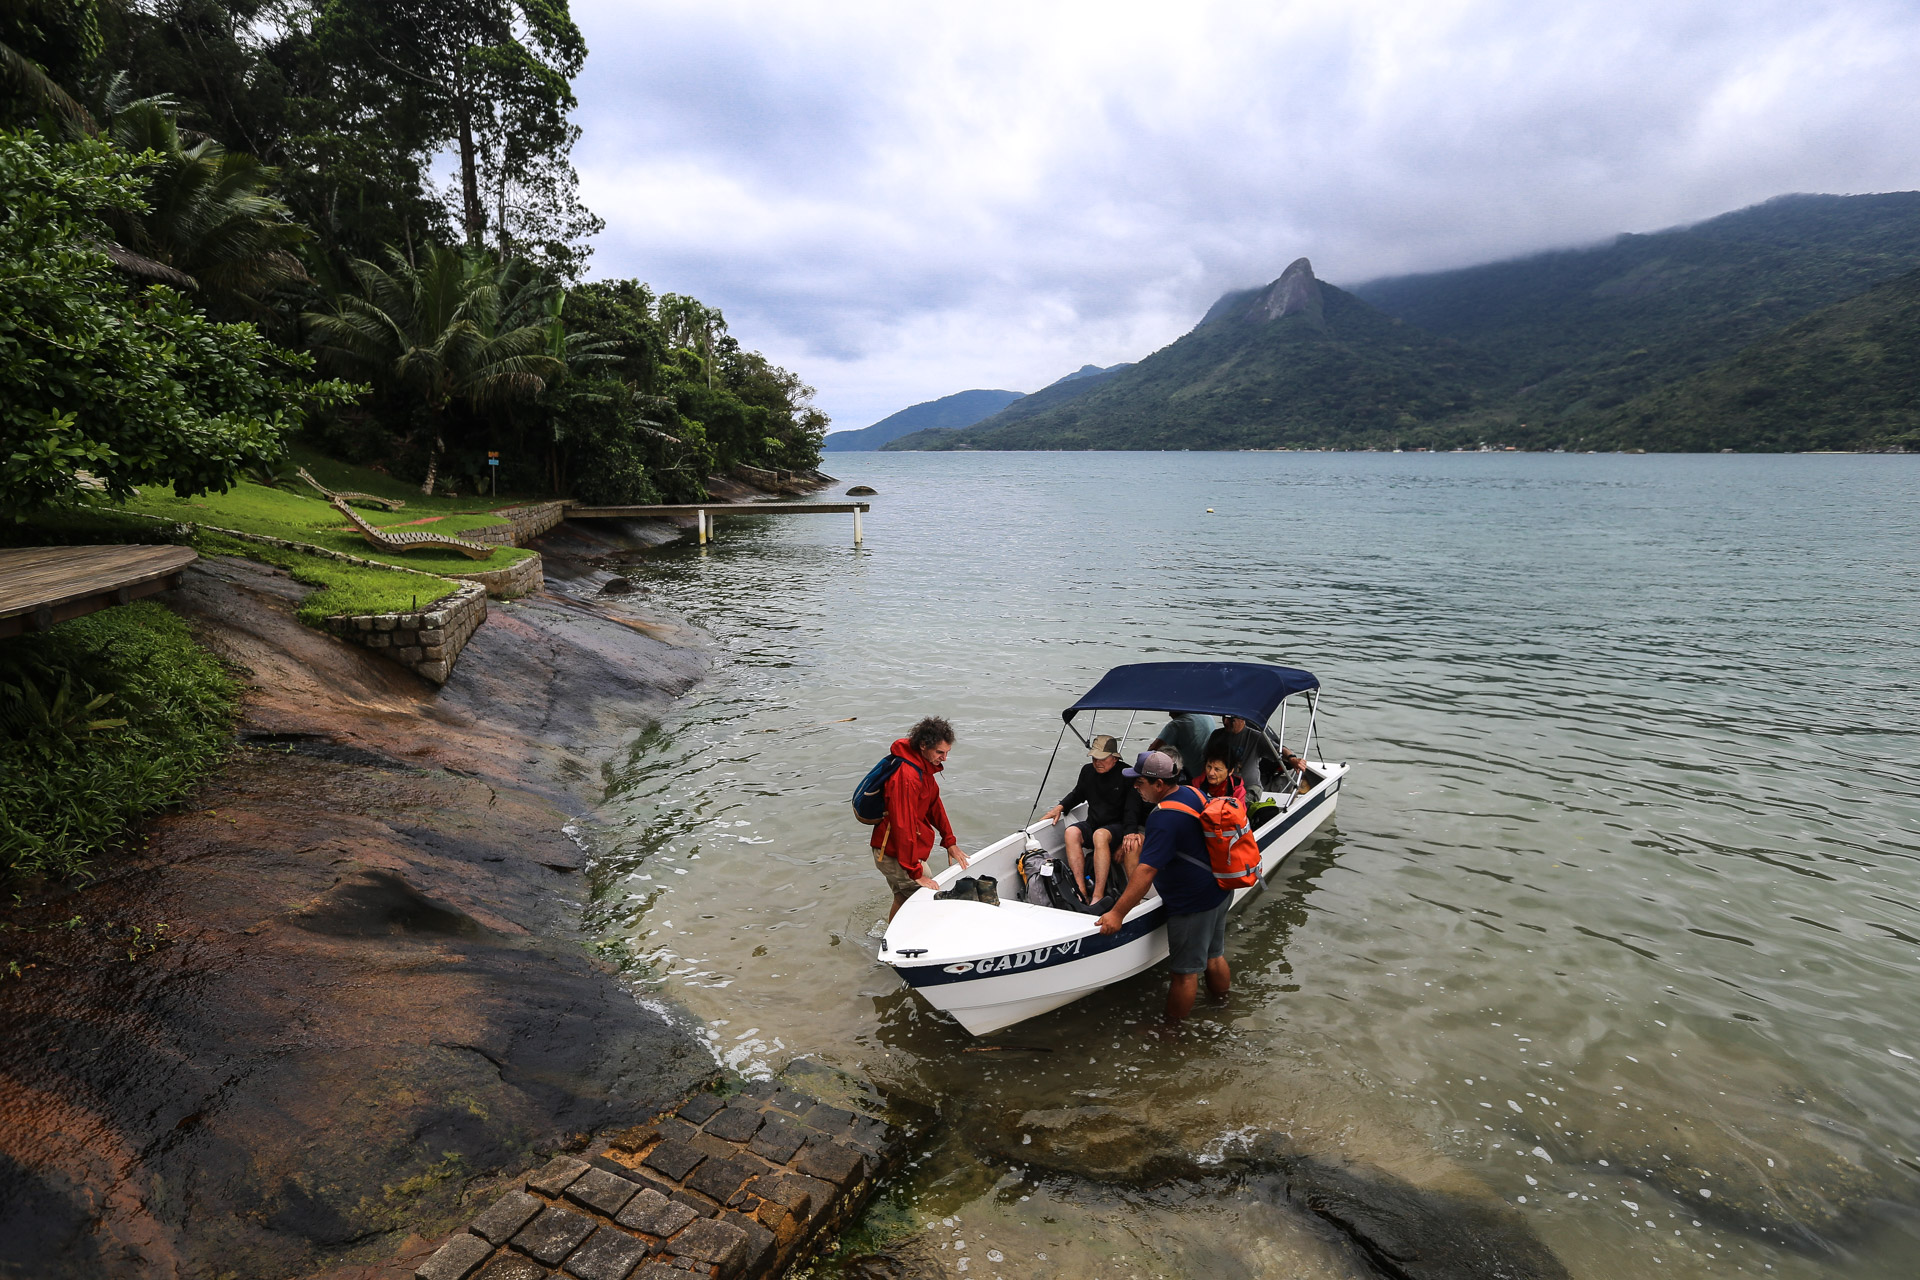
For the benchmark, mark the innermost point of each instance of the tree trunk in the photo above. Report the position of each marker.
(433, 467)
(475, 212)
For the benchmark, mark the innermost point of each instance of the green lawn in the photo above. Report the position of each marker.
(340, 588)
(338, 476)
(295, 512)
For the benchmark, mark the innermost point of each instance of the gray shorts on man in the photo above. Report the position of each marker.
(1192, 940)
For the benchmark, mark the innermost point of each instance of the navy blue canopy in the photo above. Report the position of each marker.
(1250, 690)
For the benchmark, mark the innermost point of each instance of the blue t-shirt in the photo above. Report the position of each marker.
(1187, 887)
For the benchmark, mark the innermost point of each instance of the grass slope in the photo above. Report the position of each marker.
(295, 512)
(1336, 373)
(1845, 377)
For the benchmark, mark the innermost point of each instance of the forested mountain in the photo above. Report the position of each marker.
(1582, 330)
(1057, 392)
(1845, 377)
(1298, 363)
(1545, 351)
(961, 409)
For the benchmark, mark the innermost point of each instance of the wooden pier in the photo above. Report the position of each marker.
(40, 586)
(706, 511)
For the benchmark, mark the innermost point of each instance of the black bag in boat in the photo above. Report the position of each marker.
(1062, 894)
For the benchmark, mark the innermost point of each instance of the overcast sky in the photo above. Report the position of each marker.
(900, 201)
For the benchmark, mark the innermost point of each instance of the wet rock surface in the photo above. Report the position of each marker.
(1444, 1227)
(340, 996)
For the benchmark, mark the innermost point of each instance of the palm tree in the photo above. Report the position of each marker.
(453, 329)
(208, 213)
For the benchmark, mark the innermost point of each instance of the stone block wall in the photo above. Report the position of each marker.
(740, 1187)
(523, 525)
(426, 642)
(513, 581)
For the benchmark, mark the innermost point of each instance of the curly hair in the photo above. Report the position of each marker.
(930, 733)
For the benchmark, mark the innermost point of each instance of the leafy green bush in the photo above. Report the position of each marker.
(102, 720)
(136, 387)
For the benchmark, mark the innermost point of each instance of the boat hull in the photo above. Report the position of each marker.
(990, 970)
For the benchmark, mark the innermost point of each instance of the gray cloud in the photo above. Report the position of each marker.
(900, 204)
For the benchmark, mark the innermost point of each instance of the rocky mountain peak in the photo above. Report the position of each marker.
(1295, 291)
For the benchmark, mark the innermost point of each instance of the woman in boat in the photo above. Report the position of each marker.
(903, 840)
(1218, 779)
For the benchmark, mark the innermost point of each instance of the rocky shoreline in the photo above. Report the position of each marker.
(311, 1022)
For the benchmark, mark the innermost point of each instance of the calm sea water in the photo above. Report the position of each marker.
(1618, 919)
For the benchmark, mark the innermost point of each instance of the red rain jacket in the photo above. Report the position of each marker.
(914, 812)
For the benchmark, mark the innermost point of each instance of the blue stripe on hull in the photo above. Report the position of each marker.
(1039, 958)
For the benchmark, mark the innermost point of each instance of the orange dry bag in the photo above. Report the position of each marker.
(1231, 848)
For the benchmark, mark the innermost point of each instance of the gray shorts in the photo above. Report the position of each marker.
(1193, 940)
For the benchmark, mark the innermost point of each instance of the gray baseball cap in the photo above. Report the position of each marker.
(1154, 764)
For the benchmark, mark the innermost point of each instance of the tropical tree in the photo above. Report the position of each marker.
(45, 47)
(456, 330)
(129, 388)
(491, 79)
(207, 212)
(691, 325)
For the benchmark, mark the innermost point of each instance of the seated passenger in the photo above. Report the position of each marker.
(1133, 820)
(1105, 788)
(1247, 750)
(1186, 734)
(1219, 780)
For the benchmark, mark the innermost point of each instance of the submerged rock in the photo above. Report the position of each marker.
(618, 587)
(1452, 1228)
(862, 491)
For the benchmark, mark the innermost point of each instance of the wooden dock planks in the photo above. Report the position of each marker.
(40, 586)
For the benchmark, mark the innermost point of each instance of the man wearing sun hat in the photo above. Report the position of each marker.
(1104, 787)
(1173, 859)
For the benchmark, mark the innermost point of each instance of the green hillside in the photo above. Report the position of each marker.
(1057, 392)
(1579, 332)
(1297, 364)
(1845, 377)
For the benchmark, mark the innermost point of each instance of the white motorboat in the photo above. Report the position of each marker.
(992, 966)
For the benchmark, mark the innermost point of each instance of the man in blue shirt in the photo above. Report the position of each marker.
(1173, 859)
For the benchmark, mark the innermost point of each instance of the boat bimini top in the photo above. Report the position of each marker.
(1249, 690)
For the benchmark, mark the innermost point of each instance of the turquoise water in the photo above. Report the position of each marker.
(1624, 872)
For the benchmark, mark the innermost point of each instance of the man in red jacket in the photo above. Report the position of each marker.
(904, 838)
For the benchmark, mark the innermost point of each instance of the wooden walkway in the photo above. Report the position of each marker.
(706, 511)
(40, 586)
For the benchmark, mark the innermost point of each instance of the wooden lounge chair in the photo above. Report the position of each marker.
(389, 540)
(364, 499)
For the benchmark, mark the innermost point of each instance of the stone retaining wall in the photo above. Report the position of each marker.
(426, 642)
(513, 581)
(524, 524)
(736, 1188)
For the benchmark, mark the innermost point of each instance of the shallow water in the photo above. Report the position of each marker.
(1616, 919)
